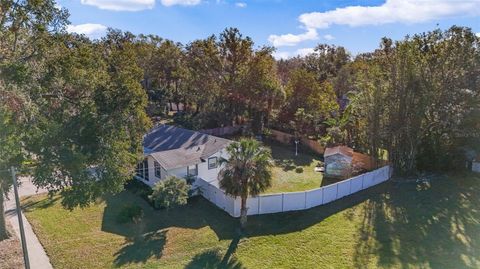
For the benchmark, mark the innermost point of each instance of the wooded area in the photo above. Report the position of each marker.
(70, 105)
(417, 98)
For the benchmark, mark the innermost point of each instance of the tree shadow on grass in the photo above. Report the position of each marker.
(43, 203)
(212, 259)
(435, 226)
(147, 238)
(141, 248)
(404, 225)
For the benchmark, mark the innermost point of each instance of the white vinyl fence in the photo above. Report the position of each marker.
(291, 201)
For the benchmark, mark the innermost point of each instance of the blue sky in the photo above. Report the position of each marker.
(292, 26)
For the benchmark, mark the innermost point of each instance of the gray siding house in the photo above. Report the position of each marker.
(174, 151)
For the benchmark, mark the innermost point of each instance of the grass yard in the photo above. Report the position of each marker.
(293, 173)
(389, 226)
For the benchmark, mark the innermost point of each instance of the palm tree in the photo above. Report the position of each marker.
(247, 172)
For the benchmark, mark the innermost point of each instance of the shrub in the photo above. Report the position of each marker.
(139, 188)
(171, 192)
(130, 213)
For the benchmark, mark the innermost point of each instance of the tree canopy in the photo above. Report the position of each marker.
(73, 110)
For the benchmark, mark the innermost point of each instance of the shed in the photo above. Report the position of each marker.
(338, 160)
(476, 165)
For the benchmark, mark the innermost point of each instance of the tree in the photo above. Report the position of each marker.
(262, 89)
(326, 61)
(10, 155)
(316, 100)
(204, 70)
(25, 30)
(87, 134)
(247, 172)
(169, 193)
(419, 99)
(235, 54)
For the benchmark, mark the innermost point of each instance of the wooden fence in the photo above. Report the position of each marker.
(221, 131)
(286, 138)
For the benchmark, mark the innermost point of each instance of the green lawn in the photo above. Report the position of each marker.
(389, 226)
(293, 173)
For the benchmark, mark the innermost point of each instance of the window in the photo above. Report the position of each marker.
(192, 170)
(212, 163)
(142, 170)
(139, 170)
(158, 169)
(145, 170)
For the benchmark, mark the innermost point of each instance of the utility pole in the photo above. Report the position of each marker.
(20, 220)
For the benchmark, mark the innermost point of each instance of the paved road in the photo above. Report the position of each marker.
(36, 253)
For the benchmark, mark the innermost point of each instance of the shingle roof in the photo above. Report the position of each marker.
(344, 150)
(175, 147)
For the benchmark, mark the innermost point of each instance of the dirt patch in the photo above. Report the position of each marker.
(11, 252)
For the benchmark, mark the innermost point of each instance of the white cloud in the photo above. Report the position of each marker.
(169, 3)
(281, 55)
(392, 11)
(91, 30)
(287, 55)
(304, 51)
(329, 37)
(241, 4)
(121, 5)
(291, 39)
(477, 34)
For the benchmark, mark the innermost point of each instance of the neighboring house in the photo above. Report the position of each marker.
(173, 151)
(343, 161)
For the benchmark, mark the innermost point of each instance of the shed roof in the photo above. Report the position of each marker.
(343, 150)
(175, 147)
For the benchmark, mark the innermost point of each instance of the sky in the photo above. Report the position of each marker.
(293, 27)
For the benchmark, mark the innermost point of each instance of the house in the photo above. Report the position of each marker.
(343, 161)
(174, 151)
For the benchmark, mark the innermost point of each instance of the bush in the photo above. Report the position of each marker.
(130, 213)
(170, 192)
(139, 188)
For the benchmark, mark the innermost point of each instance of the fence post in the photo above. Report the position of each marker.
(305, 205)
(350, 191)
(323, 196)
(283, 200)
(258, 204)
(336, 197)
